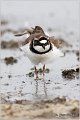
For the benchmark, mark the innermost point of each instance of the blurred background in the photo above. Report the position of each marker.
(57, 17)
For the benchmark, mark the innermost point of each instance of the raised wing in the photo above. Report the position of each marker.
(57, 42)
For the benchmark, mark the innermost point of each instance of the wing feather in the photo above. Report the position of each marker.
(57, 42)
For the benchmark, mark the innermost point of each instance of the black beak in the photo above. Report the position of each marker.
(43, 46)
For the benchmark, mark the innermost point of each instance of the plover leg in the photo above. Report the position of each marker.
(44, 71)
(36, 72)
(36, 87)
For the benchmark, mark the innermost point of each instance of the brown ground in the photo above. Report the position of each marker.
(59, 108)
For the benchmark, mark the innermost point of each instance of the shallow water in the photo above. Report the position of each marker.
(17, 85)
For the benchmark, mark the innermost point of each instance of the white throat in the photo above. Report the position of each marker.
(43, 41)
(41, 49)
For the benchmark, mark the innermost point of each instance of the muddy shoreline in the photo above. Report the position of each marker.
(59, 108)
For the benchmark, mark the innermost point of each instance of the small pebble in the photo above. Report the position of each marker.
(9, 76)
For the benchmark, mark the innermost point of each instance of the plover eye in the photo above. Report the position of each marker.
(36, 42)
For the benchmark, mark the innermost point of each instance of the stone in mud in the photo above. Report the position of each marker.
(1, 77)
(9, 76)
(57, 100)
(30, 74)
(4, 22)
(74, 112)
(10, 60)
(77, 53)
(9, 44)
(77, 70)
(60, 100)
(23, 102)
(41, 70)
(70, 74)
(23, 81)
(47, 70)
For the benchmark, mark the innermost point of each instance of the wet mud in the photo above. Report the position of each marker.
(47, 109)
(10, 60)
(9, 44)
(71, 73)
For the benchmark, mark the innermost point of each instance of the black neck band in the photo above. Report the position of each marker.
(37, 52)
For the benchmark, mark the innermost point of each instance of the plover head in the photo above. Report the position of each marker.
(40, 45)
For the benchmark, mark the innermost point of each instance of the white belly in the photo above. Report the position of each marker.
(41, 58)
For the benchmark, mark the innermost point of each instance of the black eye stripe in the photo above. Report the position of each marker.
(36, 42)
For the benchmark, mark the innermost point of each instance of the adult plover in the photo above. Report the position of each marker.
(40, 48)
